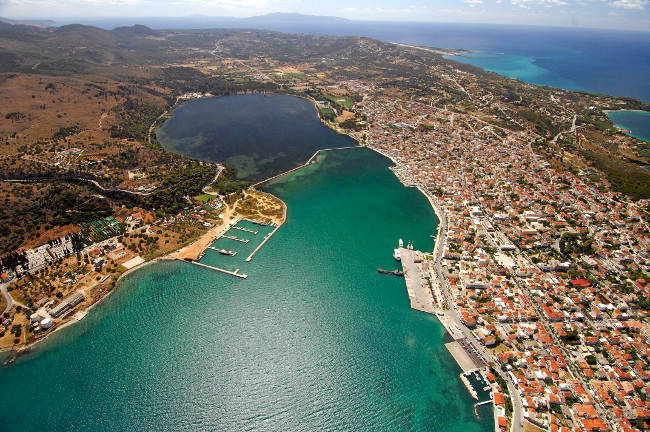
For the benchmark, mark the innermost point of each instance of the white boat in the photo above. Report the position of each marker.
(401, 243)
(397, 255)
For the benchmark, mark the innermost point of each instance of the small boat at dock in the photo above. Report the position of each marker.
(393, 272)
(226, 252)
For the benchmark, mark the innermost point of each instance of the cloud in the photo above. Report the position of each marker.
(629, 4)
(525, 4)
(473, 3)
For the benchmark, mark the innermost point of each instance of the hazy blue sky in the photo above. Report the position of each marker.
(622, 14)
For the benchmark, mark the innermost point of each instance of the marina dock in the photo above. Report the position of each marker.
(468, 386)
(231, 253)
(244, 229)
(220, 270)
(235, 238)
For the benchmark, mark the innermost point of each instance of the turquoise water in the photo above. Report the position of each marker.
(521, 67)
(314, 339)
(260, 135)
(637, 122)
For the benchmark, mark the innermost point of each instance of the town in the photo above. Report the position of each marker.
(548, 272)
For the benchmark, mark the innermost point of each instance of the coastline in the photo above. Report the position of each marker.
(15, 353)
(441, 51)
(178, 254)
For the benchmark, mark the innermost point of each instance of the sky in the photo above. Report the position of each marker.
(619, 14)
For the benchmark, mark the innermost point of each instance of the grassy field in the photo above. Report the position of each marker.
(204, 197)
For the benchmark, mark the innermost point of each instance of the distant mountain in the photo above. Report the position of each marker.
(295, 18)
(135, 30)
(287, 22)
(37, 23)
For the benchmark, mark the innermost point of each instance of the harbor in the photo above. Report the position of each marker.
(234, 238)
(417, 284)
(222, 251)
(244, 229)
(227, 252)
(425, 295)
(460, 355)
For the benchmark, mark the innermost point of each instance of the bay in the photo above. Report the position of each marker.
(636, 122)
(314, 339)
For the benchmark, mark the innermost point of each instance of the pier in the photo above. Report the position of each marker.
(460, 355)
(235, 238)
(468, 385)
(309, 161)
(220, 270)
(244, 229)
(478, 404)
(268, 236)
(418, 288)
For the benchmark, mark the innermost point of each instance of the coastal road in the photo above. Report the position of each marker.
(517, 408)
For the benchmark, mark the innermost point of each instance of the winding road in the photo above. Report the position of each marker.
(5, 293)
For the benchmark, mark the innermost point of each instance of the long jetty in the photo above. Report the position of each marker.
(268, 236)
(220, 270)
(305, 164)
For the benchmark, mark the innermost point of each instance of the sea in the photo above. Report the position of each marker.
(637, 123)
(314, 339)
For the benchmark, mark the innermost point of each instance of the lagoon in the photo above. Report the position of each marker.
(259, 135)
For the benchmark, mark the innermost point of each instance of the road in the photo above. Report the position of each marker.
(10, 300)
(572, 130)
(5, 293)
(99, 186)
(214, 179)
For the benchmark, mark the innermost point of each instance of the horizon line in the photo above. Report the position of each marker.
(296, 14)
